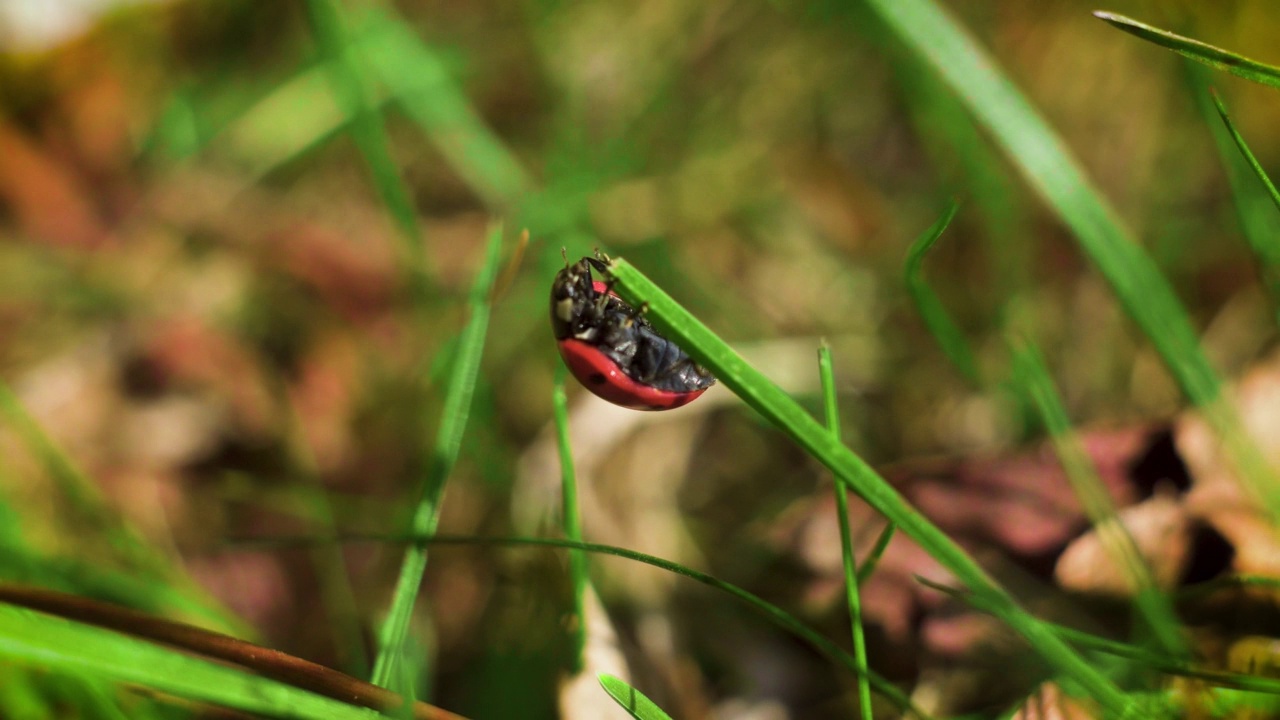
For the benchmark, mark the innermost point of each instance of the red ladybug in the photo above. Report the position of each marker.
(613, 351)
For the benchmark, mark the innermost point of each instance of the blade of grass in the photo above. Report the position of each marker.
(882, 542)
(348, 84)
(630, 699)
(281, 125)
(932, 311)
(336, 595)
(1229, 582)
(1253, 208)
(1259, 229)
(92, 511)
(1201, 52)
(35, 639)
(1032, 377)
(421, 84)
(1154, 660)
(267, 662)
(571, 520)
(770, 401)
(832, 411)
(774, 613)
(1271, 252)
(1169, 666)
(453, 421)
(1049, 167)
(965, 159)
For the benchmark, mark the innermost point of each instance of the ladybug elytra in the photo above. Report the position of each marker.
(613, 350)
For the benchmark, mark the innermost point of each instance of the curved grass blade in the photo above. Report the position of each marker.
(1167, 665)
(1272, 251)
(1262, 240)
(38, 640)
(453, 421)
(348, 85)
(418, 79)
(92, 511)
(777, 615)
(1255, 208)
(774, 613)
(571, 520)
(1201, 52)
(930, 307)
(770, 401)
(1050, 168)
(877, 550)
(1032, 377)
(1157, 661)
(631, 699)
(852, 598)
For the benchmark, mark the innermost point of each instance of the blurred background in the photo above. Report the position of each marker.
(234, 323)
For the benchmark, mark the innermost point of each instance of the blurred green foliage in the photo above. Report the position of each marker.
(208, 303)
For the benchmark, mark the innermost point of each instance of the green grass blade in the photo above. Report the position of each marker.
(770, 401)
(284, 124)
(930, 306)
(1255, 208)
(1049, 167)
(347, 80)
(854, 602)
(1167, 665)
(421, 84)
(453, 420)
(1270, 252)
(882, 542)
(777, 615)
(571, 520)
(91, 510)
(1032, 377)
(35, 639)
(1260, 230)
(1229, 582)
(1196, 50)
(631, 699)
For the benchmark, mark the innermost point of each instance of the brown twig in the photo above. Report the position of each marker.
(270, 663)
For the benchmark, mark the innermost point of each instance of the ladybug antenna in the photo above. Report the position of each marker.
(564, 254)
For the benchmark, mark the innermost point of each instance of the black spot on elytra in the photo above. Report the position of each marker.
(597, 379)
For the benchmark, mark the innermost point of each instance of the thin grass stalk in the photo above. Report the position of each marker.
(1153, 605)
(346, 77)
(571, 522)
(453, 420)
(832, 410)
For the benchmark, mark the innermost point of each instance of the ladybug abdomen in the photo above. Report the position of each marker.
(613, 350)
(601, 374)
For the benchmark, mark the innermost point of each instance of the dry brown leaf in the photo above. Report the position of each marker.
(1050, 703)
(49, 201)
(1161, 531)
(1217, 496)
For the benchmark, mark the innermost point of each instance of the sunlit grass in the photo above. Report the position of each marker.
(459, 389)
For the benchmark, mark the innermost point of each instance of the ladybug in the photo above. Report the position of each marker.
(612, 350)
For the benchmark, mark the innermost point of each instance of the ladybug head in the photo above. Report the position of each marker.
(578, 301)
